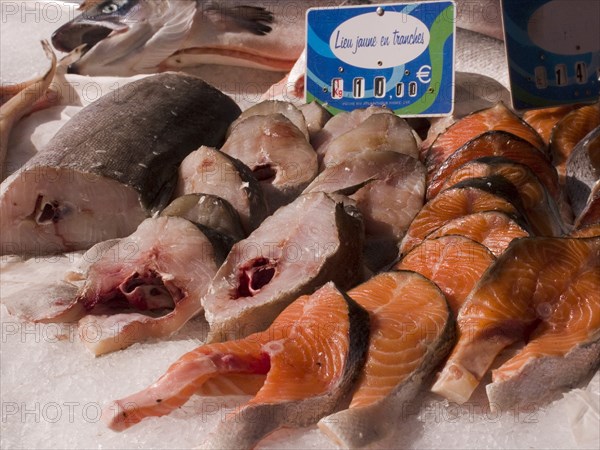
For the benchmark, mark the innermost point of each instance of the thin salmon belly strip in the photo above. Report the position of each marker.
(544, 288)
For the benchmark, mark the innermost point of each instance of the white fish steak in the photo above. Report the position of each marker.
(112, 165)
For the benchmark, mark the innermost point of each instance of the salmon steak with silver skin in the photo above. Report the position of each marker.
(454, 263)
(539, 207)
(543, 120)
(583, 170)
(303, 245)
(545, 291)
(498, 117)
(590, 214)
(111, 166)
(497, 143)
(569, 132)
(311, 356)
(412, 330)
(148, 285)
(493, 229)
(467, 197)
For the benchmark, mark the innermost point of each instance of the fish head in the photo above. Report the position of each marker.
(112, 31)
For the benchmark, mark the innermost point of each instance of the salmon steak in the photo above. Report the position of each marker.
(497, 143)
(546, 292)
(493, 229)
(583, 170)
(569, 131)
(498, 117)
(539, 207)
(303, 245)
(590, 214)
(468, 197)
(587, 231)
(454, 263)
(412, 331)
(543, 120)
(311, 356)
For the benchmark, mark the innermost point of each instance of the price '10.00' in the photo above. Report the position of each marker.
(379, 88)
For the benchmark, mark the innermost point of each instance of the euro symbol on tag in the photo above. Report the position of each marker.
(424, 74)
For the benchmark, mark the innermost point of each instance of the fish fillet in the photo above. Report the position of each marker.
(210, 171)
(497, 143)
(277, 153)
(494, 229)
(459, 201)
(454, 263)
(392, 195)
(583, 170)
(147, 285)
(569, 131)
(498, 117)
(376, 133)
(539, 207)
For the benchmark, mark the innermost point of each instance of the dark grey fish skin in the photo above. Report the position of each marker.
(210, 171)
(583, 170)
(214, 216)
(112, 165)
(208, 210)
(500, 186)
(139, 134)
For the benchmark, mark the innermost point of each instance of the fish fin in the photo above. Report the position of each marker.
(249, 18)
(167, 39)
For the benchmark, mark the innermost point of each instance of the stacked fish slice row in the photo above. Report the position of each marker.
(269, 235)
(509, 234)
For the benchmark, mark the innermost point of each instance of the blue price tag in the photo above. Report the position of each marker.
(553, 51)
(397, 55)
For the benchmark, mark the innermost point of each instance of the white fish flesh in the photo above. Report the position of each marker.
(146, 285)
(296, 250)
(111, 165)
(210, 171)
(392, 195)
(278, 154)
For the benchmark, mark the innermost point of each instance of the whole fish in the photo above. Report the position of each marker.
(146, 36)
(126, 37)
